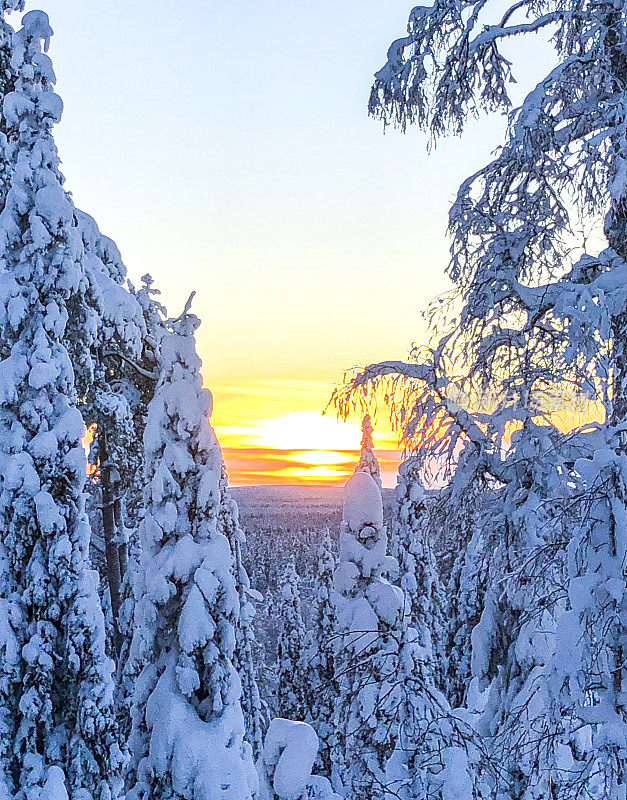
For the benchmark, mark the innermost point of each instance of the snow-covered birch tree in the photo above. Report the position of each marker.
(514, 221)
(56, 685)
(538, 315)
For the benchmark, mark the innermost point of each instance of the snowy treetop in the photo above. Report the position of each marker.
(363, 504)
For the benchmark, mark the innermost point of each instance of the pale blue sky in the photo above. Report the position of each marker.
(226, 148)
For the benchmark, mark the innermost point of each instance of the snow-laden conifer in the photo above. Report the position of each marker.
(436, 748)
(246, 649)
(468, 515)
(509, 580)
(292, 675)
(142, 374)
(113, 399)
(527, 720)
(187, 737)
(56, 687)
(322, 682)
(135, 376)
(418, 573)
(368, 462)
(370, 619)
(588, 671)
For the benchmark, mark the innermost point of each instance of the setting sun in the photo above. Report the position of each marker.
(308, 430)
(274, 432)
(323, 457)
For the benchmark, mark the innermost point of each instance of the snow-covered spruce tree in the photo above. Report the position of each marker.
(460, 521)
(292, 674)
(114, 402)
(436, 754)
(437, 432)
(370, 619)
(427, 750)
(529, 721)
(187, 736)
(56, 686)
(368, 462)
(136, 379)
(246, 650)
(143, 375)
(106, 341)
(322, 684)
(589, 668)
(467, 510)
(410, 544)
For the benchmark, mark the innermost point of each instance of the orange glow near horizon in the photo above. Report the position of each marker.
(275, 433)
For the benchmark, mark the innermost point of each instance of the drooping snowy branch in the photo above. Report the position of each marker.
(433, 425)
(528, 311)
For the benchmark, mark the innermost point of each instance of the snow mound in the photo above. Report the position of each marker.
(204, 759)
(54, 787)
(285, 765)
(37, 24)
(362, 502)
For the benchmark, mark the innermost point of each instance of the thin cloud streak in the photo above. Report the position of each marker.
(273, 432)
(270, 466)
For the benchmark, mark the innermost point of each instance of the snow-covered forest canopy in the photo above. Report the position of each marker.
(463, 637)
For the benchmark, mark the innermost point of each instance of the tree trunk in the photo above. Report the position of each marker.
(119, 526)
(109, 529)
(616, 228)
